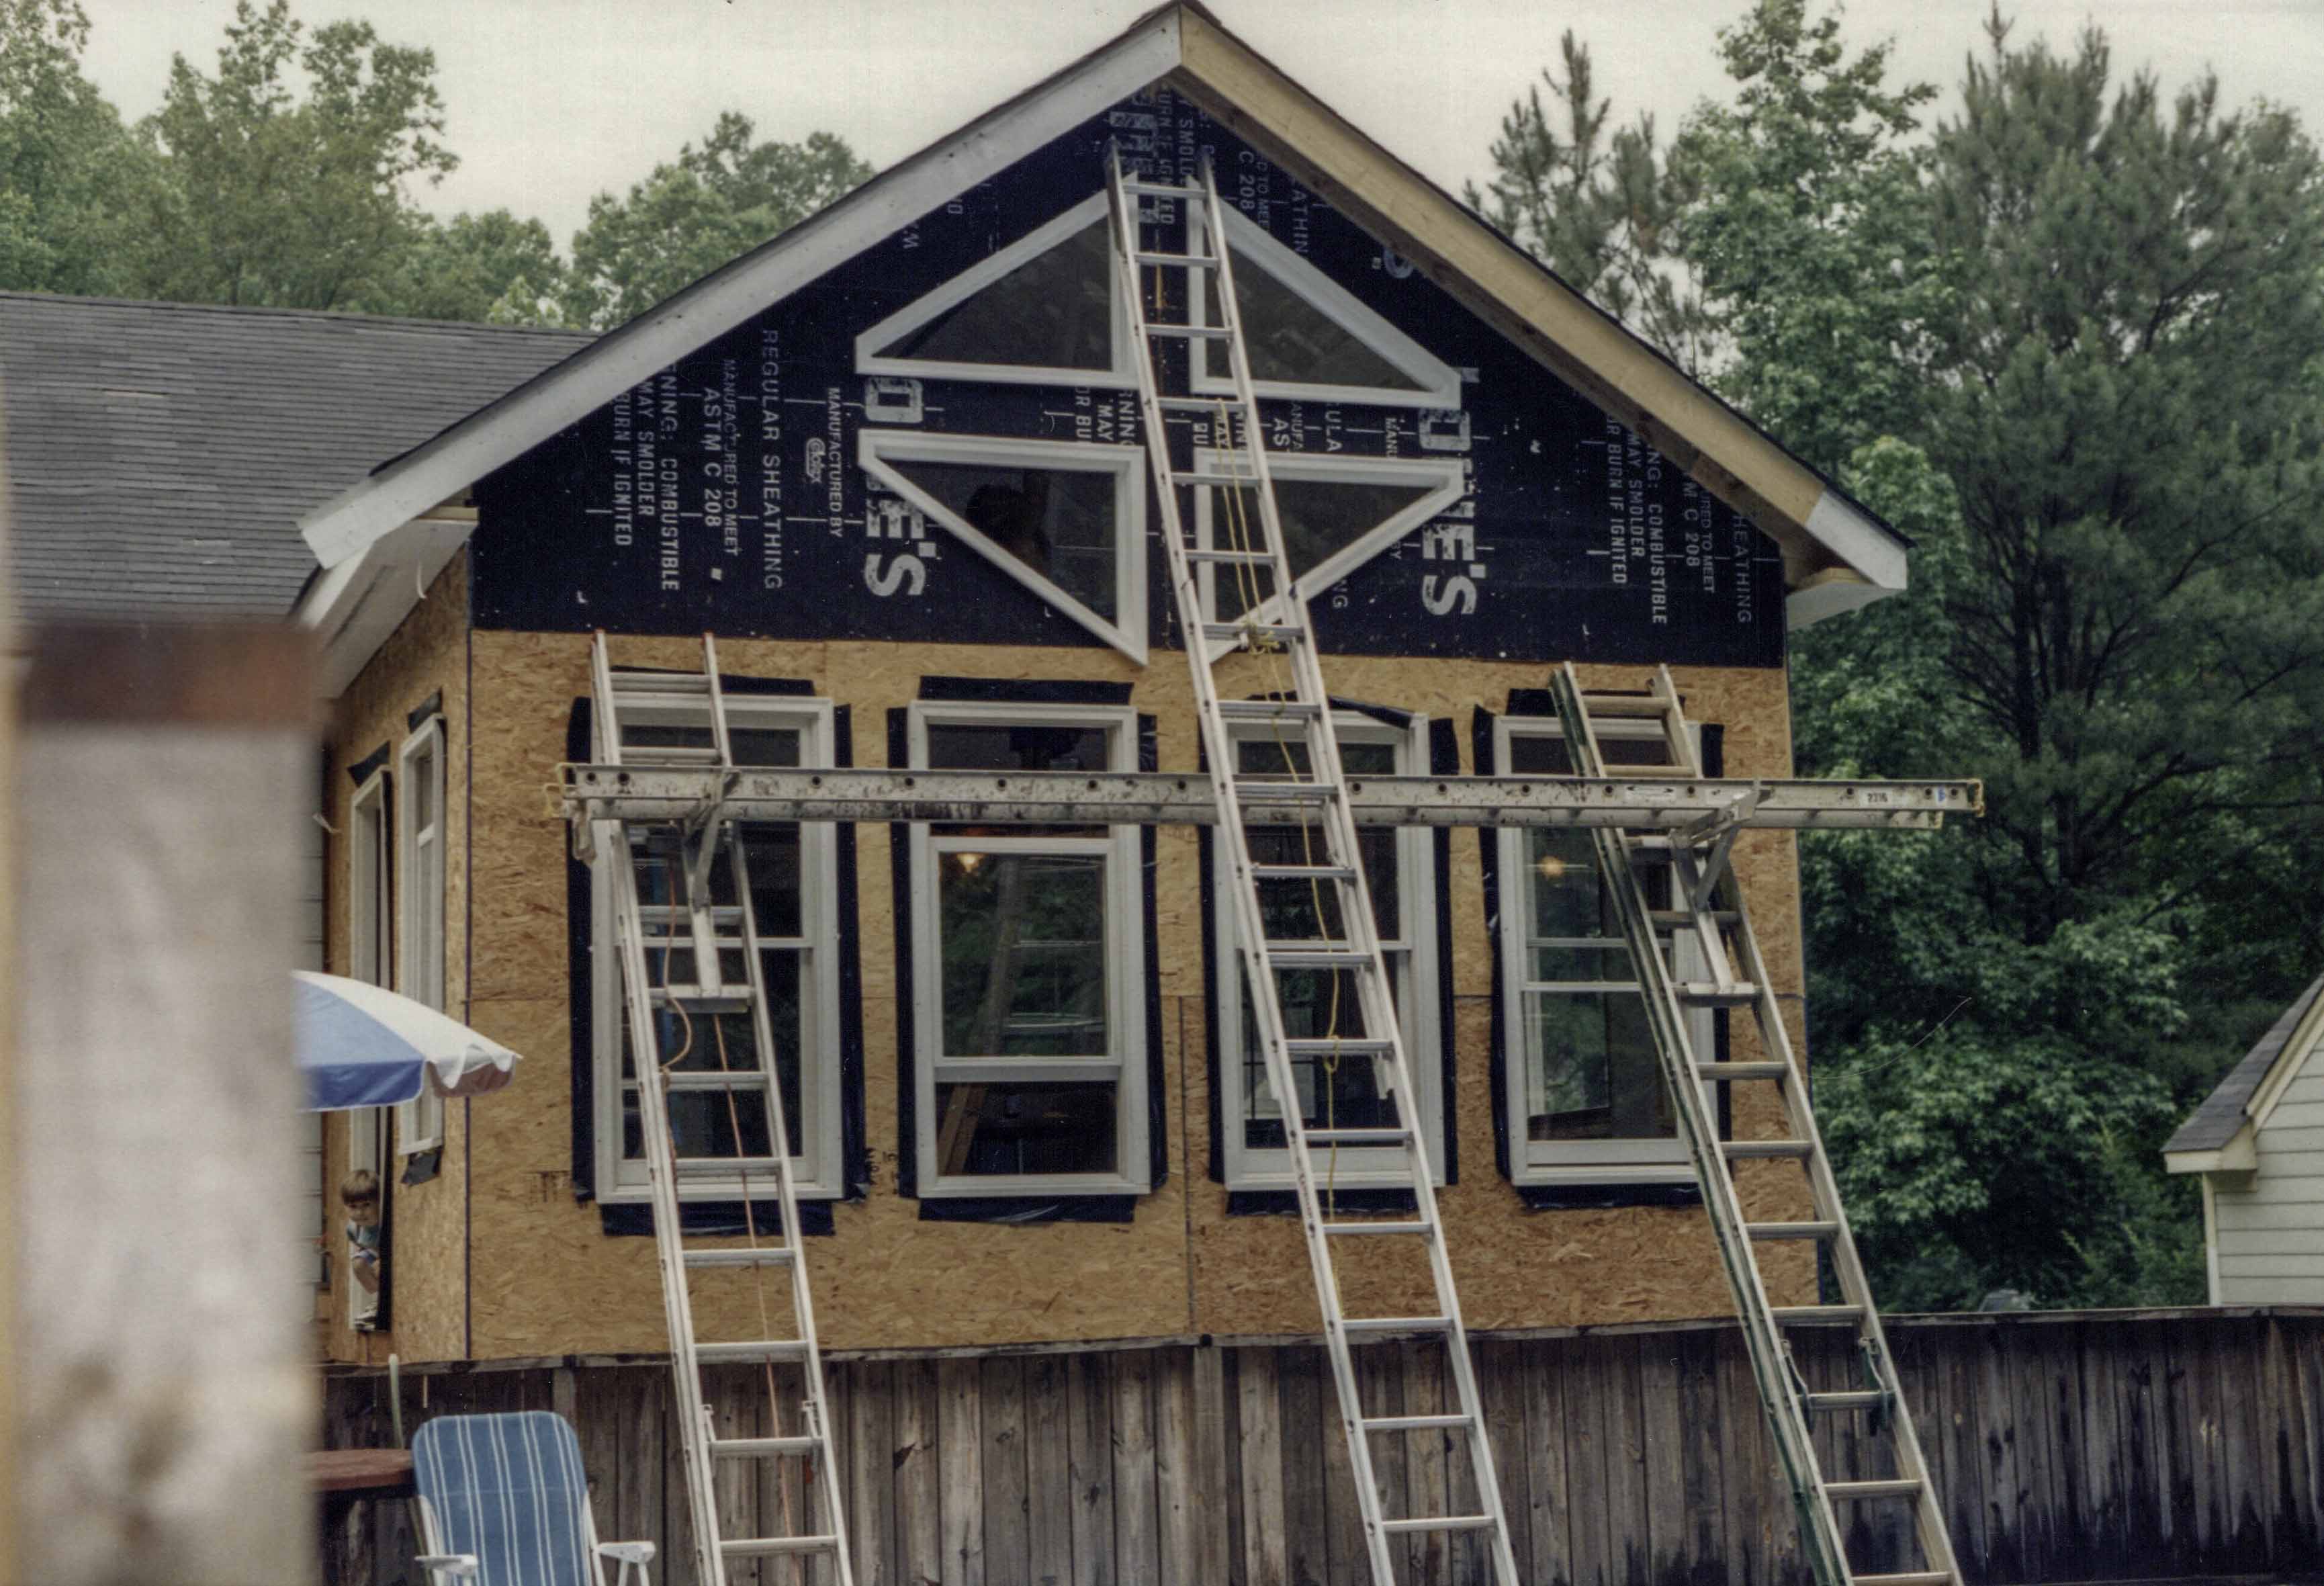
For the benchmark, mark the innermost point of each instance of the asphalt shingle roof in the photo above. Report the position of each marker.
(159, 455)
(2214, 1123)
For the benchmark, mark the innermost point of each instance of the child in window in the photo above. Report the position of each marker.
(359, 1193)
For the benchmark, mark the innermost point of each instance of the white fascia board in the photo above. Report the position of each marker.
(1858, 541)
(2305, 1038)
(2239, 1155)
(353, 608)
(344, 526)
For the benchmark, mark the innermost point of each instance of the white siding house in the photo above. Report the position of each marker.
(2258, 1141)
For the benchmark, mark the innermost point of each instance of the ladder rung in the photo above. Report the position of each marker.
(751, 1256)
(1239, 633)
(1258, 792)
(1682, 918)
(695, 999)
(1711, 994)
(1811, 1315)
(1193, 404)
(1340, 1228)
(752, 1350)
(1254, 558)
(1734, 1071)
(764, 1448)
(1318, 958)
(1158, 189)
(1443, 1523)
(1303, 873)
(1791, 1230)
(1736, 1150)
(1358, 1137)
(1270, 710)
(671, 754)
(1869, 1398)
(632, 682)
(716, 1079)
(1905, 1488)
(1906, 1578)
(1190, 332)
(765, 1547)
(1191, 261)
(1208, 476)
(1394, 1324)
(1622, 705)
(1327, 1047)
(1417, 1423)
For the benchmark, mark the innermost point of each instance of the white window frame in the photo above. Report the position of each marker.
(420, 930)
(817, 1167)
(1438, 383)
(1412, 955)
(371, 946)
(879, 450)
(1572, 1162)
(1442, 477)
(1127, 990)
(1119, 376)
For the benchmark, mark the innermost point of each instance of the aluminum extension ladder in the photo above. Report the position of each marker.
(1299, 715)
(1706, 914)
(691, 926)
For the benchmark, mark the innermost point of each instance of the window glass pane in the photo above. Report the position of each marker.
(1320, 516)
(1342, 1091)
(764, 746)
(423, 789)
(773, 854)
(1054, 311)
(1023, 942)
(974, 747)
(1593, 1074)
(1291, 341)
(1058, 521)
(1006, 1129)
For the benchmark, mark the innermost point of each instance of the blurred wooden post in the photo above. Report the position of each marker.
(163, 1393)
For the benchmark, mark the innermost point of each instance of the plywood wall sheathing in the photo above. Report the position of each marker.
(548, 1282)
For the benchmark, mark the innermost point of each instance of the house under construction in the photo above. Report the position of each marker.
(1123, 533)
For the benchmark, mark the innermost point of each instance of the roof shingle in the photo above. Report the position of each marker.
(159, 456)
(2216, 1122)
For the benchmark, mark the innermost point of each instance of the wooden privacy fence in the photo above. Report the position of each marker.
(2068, 1446)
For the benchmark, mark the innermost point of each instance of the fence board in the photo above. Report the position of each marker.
(2076, 1449)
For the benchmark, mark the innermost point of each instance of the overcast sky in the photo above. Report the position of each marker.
(549, 101)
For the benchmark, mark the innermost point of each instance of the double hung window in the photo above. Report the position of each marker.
(1344, 1091)
(420, 862)
(1586, 1096)
(1029, 995)
(791, 875)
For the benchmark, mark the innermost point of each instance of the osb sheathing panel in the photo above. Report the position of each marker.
(428, 1248)
(548, 1281)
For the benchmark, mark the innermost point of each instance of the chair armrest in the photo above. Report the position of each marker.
(455, 1566)
(633, 1556)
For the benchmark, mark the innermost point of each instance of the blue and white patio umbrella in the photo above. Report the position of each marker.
(360, 1045)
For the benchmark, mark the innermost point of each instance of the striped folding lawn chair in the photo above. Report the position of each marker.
(503, 1502)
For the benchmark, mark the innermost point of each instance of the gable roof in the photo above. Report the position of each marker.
(1836, 555)
(158, 453)
(2224, 1113)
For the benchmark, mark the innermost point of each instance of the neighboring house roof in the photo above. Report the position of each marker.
(2234, 1104)
(159, 455)
(375, 540)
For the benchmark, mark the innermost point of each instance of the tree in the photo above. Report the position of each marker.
(687, 218)
(1600, 211)
(492, 267)
(267, 198)
(65, 158)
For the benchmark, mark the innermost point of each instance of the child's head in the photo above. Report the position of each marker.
(359, 1193)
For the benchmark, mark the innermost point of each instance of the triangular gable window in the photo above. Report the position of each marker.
(1309, 337)
(1044, 310)
(1065, 519)
(1338, 512)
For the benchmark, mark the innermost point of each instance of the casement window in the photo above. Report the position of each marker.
(1044, 310)
(1065, 519)
(420, 938)
(790, 872)
(1585, 1095)
(1029, 1012)
(371, 954)
(1308, 337)
(1337, 511)
(1399, 868)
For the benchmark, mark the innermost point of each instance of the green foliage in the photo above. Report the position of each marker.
(714, 204)
(65, 158)
(494, 267)
(2070, 344)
